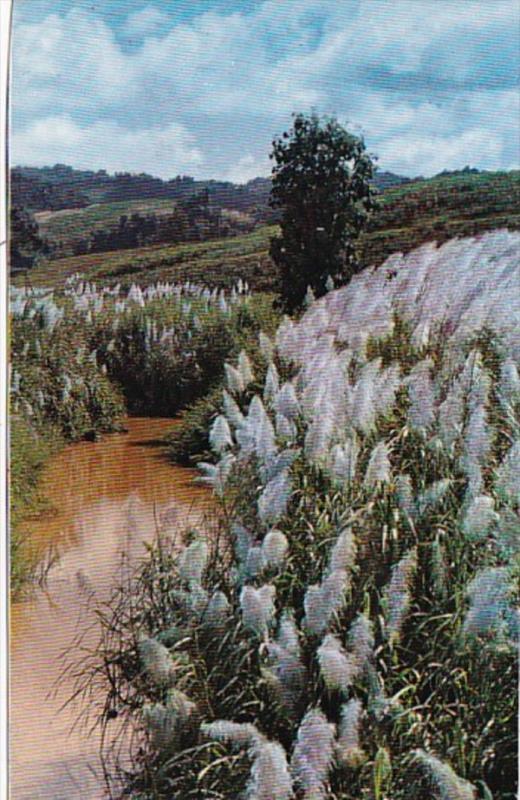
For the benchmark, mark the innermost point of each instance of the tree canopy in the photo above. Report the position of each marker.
(321, 183)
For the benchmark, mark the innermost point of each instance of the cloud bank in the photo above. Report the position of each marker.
(431, 84)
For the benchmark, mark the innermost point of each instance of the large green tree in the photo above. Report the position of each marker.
(321, 183)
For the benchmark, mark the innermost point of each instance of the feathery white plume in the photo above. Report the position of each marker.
(488, 595)
(234, 380)
(272, 384)
(224, 467)
(335, 667)
(343, 460)
(397, 594)
(270, 776)
(507, 481)
(309, 298)
(220, 435)
(272, 503)
(156, 661)
(508, 533)
(313, 755)
(166, 725)
(360, 644)
(379, 468)
(192, 561)
(240, 734)
(258, 607)
(279, 463)
(217, 611)
(447, 782)
(232, 411)
(242, 540)
(362, 403)
(509, 387)
(387, 384)
(480, 516)
(286, 402)
(286, 673)
(433, 495)
(343, 554)
(421, 412)
(254, 563)
(274, 548)
(477, 437)
(285, 429)
(450, 415)
(319, 433)
(323, 601)
(245, 369)
(288, 634)
(348, 749)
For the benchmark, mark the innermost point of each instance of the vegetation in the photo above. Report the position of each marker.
(61, 187)
(221, 263)
(123, 225)
(349, 626)
(408, 216)
(29, 452)
(25, 243)
(81, 357)
(438, 209)
(321, 183)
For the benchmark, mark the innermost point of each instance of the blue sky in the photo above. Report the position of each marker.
(200, 87)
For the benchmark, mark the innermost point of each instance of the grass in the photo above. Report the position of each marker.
(77, 368)
(224, 633)
(167, 663)
(29, 452)
(215, 263)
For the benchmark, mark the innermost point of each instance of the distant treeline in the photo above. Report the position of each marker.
(58, 187)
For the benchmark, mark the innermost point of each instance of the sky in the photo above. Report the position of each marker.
(201, 87)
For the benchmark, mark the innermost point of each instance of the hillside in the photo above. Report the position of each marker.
(62, 187)
(410, 214)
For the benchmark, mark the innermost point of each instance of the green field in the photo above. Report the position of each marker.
(71, 225)
(220, 262)
(430, 210)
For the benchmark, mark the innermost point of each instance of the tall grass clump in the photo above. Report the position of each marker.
(347, 626)
(166, 345)
(82, 357)
(59, 392)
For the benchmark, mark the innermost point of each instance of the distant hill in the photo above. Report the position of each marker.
(437, 209)
(63, 187)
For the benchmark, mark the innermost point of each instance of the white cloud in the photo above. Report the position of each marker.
(146, 21)
(164, 152)
(430, 153)
(68, 63)
(400, 70)
(247, 168)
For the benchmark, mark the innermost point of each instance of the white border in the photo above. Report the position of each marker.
(5, 30)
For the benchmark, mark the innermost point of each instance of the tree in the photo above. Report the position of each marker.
(25, 244)
(321, 183)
